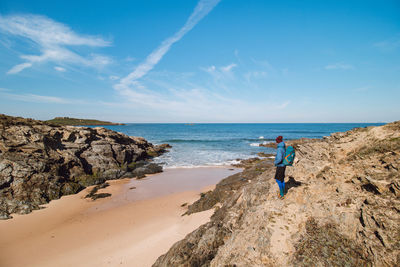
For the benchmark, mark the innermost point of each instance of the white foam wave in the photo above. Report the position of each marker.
(255, 144)
(227, 163)
(261, 137)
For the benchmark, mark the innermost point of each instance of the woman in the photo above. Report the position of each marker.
(280, 167)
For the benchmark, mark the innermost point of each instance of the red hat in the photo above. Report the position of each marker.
(279, 139)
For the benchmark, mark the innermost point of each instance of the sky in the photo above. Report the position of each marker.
(201, 61)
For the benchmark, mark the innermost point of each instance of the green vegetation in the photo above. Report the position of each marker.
(77, 122)
(152, 153)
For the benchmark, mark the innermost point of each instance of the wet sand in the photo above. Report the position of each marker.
(139, 222)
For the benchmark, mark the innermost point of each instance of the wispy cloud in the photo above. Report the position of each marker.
(339, 66)
(182, 96)
(113, 77)
(52, 39)
(388, 45)
(19, 67)
(202, 8)
(60, 69)
(255, 75)
(229, 67)
(218, 71)
(282, 105)
(35, 98)
(130, 59)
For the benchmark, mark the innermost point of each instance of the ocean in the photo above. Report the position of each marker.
(215, 144)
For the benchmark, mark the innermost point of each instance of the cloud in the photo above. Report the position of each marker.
(34, 98)
(339, 66)
(52, 39)
(202, 8)
(130, 59)
(182, 97)
(282, 105)
(19, 67)
(113, 77)
(388, 45)
(210, 69)
(228, 68)
(60, 69)
(220, 72)
(197, 104)
(255, 75)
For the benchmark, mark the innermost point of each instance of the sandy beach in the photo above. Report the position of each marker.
(139, 222)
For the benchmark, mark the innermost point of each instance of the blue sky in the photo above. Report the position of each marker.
(201, 61)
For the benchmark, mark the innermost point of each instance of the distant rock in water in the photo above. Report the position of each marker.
(342, 208)
(77, 122)
(39, 162)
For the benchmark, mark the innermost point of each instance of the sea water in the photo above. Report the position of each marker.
(213, 144)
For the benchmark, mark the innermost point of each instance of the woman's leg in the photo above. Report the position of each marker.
(281, 187)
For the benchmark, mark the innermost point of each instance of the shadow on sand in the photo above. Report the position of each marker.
(291, 183)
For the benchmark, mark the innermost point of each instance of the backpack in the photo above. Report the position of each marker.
(289, 156)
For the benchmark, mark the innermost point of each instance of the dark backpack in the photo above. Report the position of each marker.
(289, 156)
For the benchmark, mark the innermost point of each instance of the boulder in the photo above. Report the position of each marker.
(41, 162)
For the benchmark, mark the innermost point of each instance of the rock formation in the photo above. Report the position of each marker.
(41, 162)
(342, 208)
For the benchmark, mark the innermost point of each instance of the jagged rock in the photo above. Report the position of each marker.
(40, 162)
(264, 155)
(158, 150)
(342, 208)
(229, 185)
(247, 163)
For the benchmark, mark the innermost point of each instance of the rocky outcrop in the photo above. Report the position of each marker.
(342, 208)
(41, 162)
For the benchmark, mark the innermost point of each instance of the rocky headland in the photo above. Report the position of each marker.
(62, 121)
(40, 162)
(342, 208)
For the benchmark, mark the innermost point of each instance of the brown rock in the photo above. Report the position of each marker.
(41, 162)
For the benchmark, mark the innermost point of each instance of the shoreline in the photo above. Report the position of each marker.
(108, 232)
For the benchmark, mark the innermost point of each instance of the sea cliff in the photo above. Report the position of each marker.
(342, 208)
(41, 162)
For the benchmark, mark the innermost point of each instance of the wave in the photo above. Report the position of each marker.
(263, 143)
(303, 132)
(192, 141)
(204, 165)
(213, 140)
(258, 139)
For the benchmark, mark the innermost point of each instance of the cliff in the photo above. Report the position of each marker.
(40, 162)
(342, 208)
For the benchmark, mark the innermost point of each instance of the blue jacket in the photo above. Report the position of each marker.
(280, 154)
